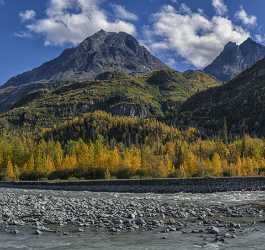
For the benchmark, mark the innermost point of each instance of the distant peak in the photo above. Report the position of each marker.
(101, 32)
(230, 45)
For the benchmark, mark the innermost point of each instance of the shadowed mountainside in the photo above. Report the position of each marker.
(241, 102)
(234, 59)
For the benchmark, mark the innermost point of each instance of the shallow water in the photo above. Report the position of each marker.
(126, 241)
(26, 239)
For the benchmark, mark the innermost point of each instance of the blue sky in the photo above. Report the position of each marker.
(183, 33)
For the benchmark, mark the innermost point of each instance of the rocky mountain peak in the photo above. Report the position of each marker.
(102, 52)
(230, 45)
(235, 58)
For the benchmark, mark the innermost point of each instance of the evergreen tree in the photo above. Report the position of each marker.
(225, 131)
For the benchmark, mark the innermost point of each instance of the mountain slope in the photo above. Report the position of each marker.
(103, 51)
(157, 94)
(234, 59)
(241, 102)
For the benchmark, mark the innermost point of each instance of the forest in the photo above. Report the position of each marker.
(101, 146)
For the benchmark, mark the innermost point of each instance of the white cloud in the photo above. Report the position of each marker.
(71, 21)
(260, 38)
(220, 7)
(183, 8)
(27, 15)
(246, 19)
(22, 34)
(193, 36)
(122, 13)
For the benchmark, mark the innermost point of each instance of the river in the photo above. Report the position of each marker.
(249, 236)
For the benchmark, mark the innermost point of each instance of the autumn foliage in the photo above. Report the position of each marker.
(100, 146)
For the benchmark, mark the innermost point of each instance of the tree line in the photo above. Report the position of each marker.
(101, 146)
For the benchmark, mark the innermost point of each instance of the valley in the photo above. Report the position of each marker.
(132, 125)
(120, 123)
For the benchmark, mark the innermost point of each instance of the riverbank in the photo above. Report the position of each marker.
(194, 185)
(185, 220)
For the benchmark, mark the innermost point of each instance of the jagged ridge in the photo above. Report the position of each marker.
(234, 59)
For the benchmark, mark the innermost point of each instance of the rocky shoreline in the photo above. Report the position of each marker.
(214, 217)
(166, 186)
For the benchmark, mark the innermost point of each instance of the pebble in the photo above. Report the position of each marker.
(117, 213)
(213, 230)
(38, 232)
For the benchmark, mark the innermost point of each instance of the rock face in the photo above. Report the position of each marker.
(235, 58)
(240, 102)
(102, 52)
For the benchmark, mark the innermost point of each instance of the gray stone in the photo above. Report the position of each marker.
(213, 230)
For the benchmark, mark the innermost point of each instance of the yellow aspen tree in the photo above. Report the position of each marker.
(168, 165)
(244, 167)
(251, 167)
(49, 165)
(135, 159)
(182, 171)
(58, 155)
(217, 165)
(206, 166)
(238, 167)
(29, 165)
(17, 172)
(161, 170)
(170, 149)
(102, 157)
(10, 173)
(85, 155)
(107, 174)
(69, 162)
(127, 159)
(114, 159)
(191, 164)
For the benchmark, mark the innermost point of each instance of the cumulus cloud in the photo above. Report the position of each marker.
(246, 19)
(71, 21)
(193, 36)
(220, 7)
(27, 15)
(122, 13)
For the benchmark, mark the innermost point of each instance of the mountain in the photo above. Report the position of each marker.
(240, 102)
(157, 94)
(107, 71)
(234, 59)
(99, 53)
